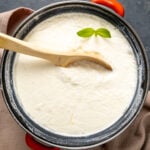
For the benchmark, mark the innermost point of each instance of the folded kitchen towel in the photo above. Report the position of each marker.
(12, 137)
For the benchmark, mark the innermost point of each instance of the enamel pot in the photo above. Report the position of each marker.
(76, 142)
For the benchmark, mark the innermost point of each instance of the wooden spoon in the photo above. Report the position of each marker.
(58, 58)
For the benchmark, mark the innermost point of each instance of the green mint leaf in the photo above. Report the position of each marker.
(103, 33)
(86, 32)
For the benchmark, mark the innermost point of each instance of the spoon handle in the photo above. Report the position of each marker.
(20, 46)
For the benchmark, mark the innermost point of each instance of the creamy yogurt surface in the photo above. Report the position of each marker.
(83, 98)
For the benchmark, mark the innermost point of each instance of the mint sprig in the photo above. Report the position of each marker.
(88, 32)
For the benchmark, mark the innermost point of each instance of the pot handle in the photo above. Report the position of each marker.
(113, 4)
(34, 145)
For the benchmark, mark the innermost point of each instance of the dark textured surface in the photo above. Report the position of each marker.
(137, 14)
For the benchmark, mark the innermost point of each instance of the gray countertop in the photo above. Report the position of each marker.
(137, 13)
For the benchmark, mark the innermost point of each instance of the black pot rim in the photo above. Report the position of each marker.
(101, 137)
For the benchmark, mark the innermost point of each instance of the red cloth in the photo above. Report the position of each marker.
(135, 137)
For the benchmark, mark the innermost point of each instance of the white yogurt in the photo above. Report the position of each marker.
(85, 97)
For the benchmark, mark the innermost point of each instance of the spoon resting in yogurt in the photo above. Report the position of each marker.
(58, 58)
